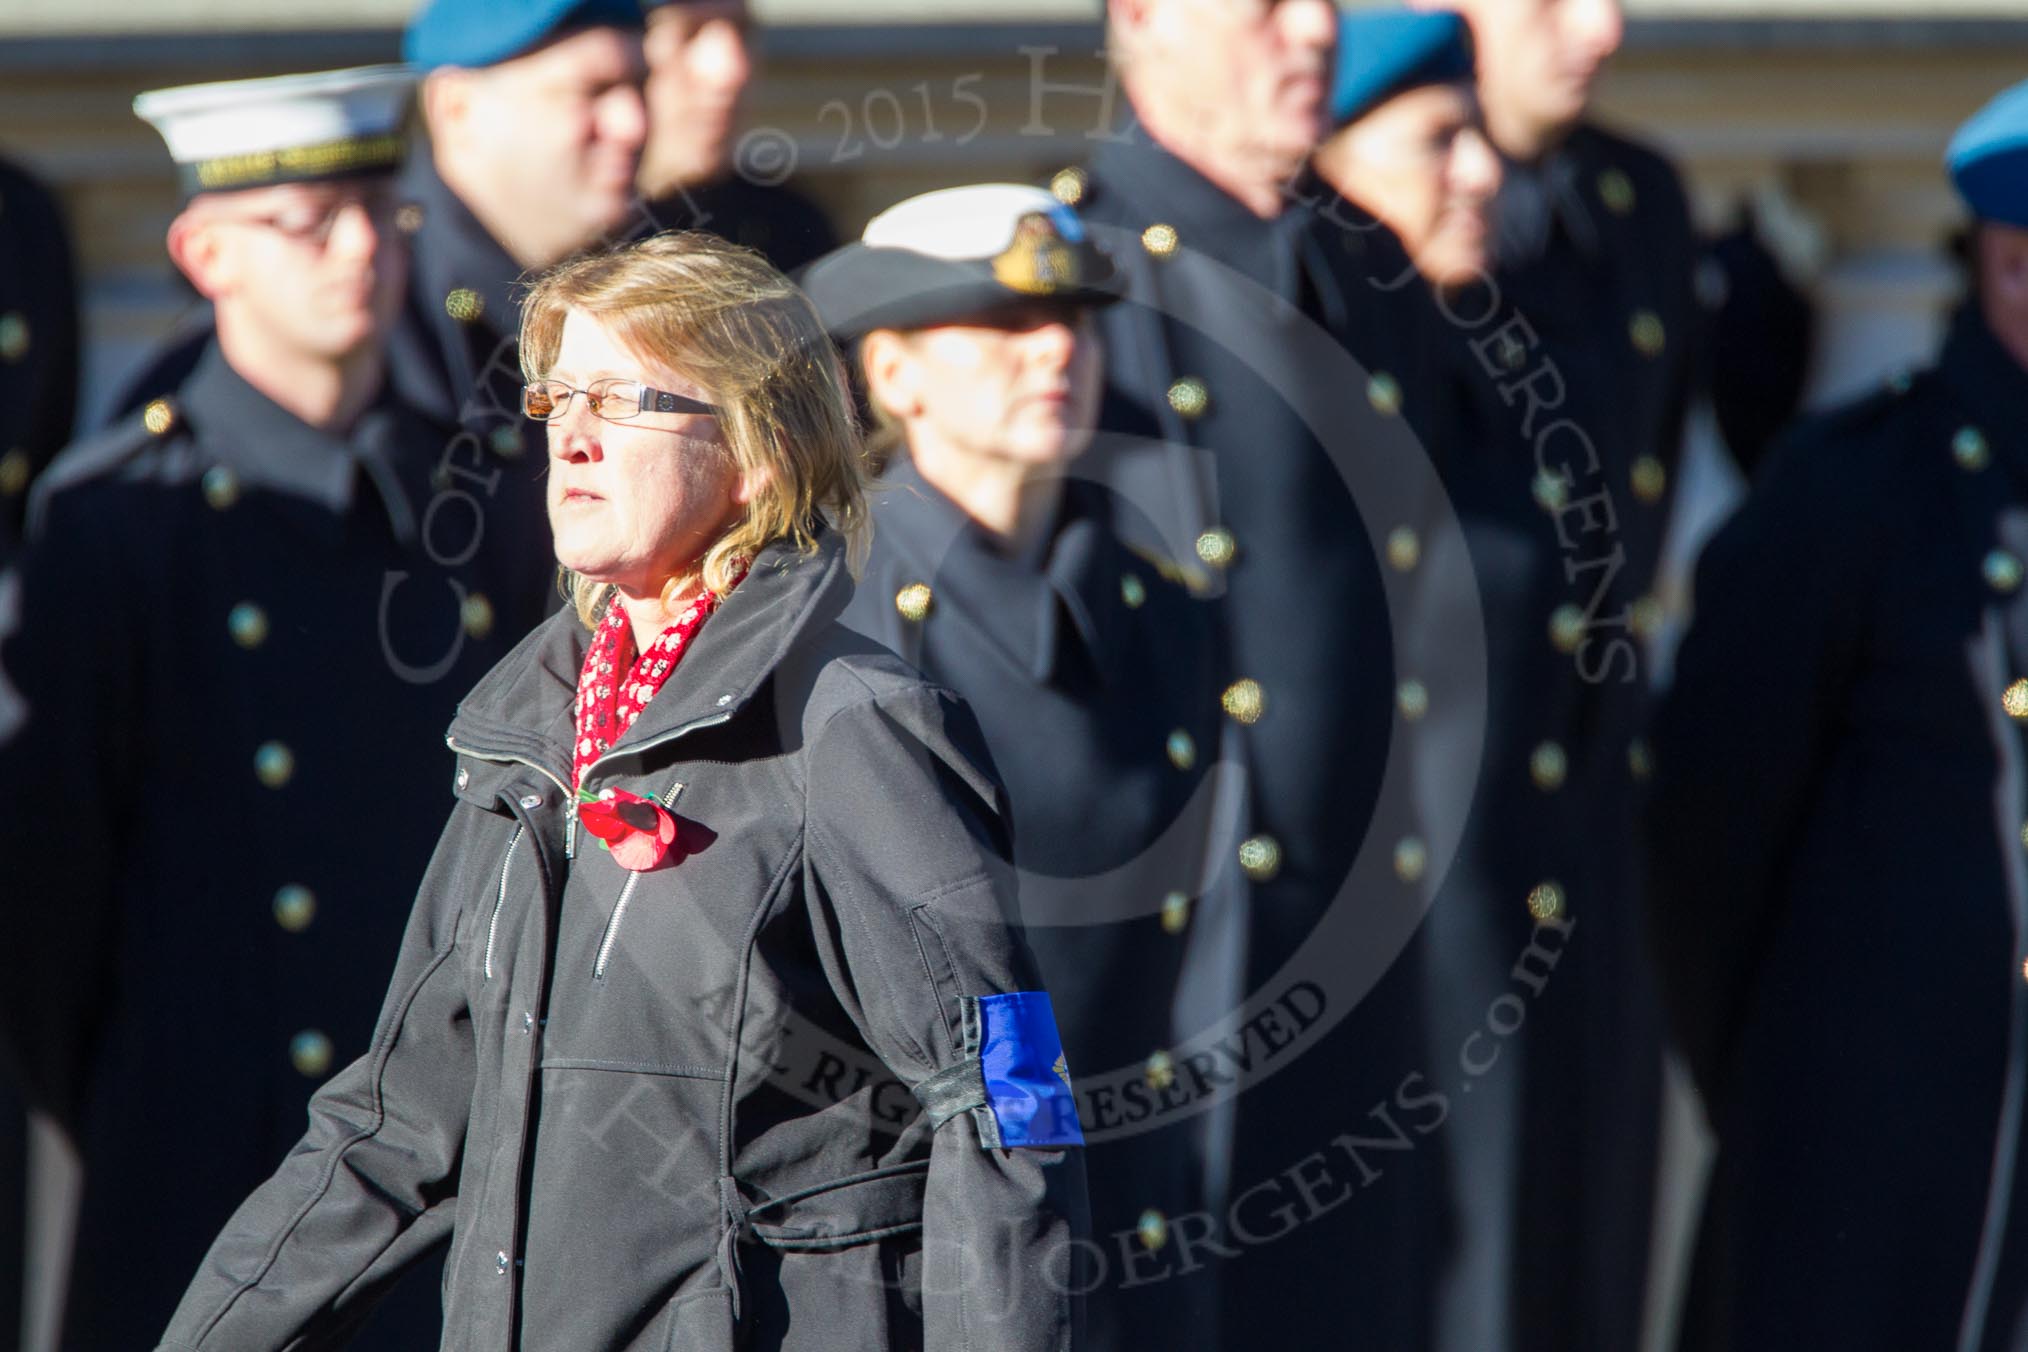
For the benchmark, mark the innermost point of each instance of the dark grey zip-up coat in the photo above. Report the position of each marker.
(667, 1110)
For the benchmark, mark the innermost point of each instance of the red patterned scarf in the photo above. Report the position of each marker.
(615, 685)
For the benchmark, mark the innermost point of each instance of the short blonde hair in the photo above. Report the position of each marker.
(723, 317)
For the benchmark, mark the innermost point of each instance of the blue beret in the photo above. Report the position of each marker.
(1988, 159)
(1382, 53)
(486, 32)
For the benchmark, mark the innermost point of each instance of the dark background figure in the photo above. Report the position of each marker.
(38, 340)
(699, 66)
(1835, 838)
(1568, 374)
(996, 570)
(245, 623)
(1761, 339)
(1228, 373)
(38, 404)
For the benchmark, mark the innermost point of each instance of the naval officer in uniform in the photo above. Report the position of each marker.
(1836, 837)
(245, 621)
(1273, 464)
(998, 570)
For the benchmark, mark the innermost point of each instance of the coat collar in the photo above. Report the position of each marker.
(523, 709)
(1023, 605)
(453, 251)
(1156, 186)
(1989, 385)
(271, 448)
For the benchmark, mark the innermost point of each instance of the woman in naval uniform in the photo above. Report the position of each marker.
(998, 572)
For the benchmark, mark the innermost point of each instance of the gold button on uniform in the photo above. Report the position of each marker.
(1069, 186)
(1189, 397)
(1384, 393)
(477, 615)
(1616, 190)
(2014, 699)
(1650, 479)
(1404, 548)
(1545, 901)
(408, 218)
(1411, 857)
(159, 416)
(1153, 1229)
(1175, 913)
(1160, 240)
(1969, 449)
(274, 764)
(1547, 766)
(1649, 338)
(1566, 627)
(1133, 591)
(248, 624)
(2002, 572)
(1640, 761)
(1217, 547)
(465, 305)
(1260, 857)
(1551, 491)
(221, 487)
(914, 601)
(310, 1053)
(13, 336)
(14, 468)
(295, 908)
(1159, 1072)
(1412, 698)
(1182, 748)
(1244, 701)
(1646, 615)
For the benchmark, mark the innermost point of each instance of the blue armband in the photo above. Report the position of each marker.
(1027, 1078)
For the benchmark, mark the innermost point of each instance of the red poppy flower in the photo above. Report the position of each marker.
(638, 831)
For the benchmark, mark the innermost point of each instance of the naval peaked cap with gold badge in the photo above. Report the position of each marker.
(958, 254)
(236, 134)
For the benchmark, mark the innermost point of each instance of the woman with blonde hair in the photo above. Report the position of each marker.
(709, 1029)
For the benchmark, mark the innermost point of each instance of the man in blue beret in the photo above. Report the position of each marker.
(1409, 148)
(1839, 904)
(536, 127)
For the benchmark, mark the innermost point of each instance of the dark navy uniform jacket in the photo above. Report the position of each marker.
(1836, 840)
(1091, 676)
(38, 339)
(1556, 426)
(778, 222)
(241, 639)
(1273, 465)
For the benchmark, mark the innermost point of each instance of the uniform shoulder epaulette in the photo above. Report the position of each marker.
(106, 453)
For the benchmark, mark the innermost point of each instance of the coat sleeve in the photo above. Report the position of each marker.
(371, 1186)
(905, 873)
(1741, 740)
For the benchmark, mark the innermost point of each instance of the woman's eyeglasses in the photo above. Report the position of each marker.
(614, 400)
